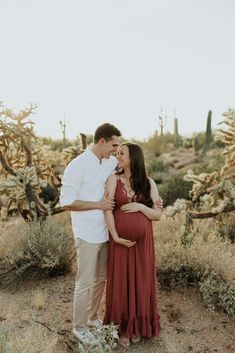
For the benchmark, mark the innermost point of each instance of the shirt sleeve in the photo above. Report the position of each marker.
(71, 183)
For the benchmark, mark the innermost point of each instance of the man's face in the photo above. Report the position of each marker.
(109, 147)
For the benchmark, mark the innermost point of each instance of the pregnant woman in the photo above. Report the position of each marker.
(131, 295)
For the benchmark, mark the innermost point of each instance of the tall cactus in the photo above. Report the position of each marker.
(176, 133)
(63, 127)
(162, 122)
(209, 137)
(196, 144)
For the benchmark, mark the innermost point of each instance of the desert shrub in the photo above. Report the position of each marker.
(208, 262)
(210, 165)
(106, 339)
(56, 144)
(184, 276)
(33, 250)
(156, 169)
(201, 137)
(160, 144)
(217, 294)
(227, 229)
(49, 193)
(174, 187)
(155, 165)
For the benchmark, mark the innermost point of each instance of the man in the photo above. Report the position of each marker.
(82, 193)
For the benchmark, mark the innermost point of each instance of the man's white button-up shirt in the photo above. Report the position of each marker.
(84, 179)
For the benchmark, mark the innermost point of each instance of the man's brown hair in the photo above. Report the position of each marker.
(106, 131)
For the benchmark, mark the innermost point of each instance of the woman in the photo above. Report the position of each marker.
(131, 297)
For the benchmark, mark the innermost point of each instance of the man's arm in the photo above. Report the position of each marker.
(79, 205)
(69, 193)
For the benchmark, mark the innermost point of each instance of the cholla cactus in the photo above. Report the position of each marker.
(214, 193)
(4, 214)
(73, 151)
(70, 153)
(179, 206)
(25, 167)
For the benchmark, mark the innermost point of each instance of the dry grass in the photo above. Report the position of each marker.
(207, 251)
(12, 240)
(33, 250)
(207, 261)
(38, 299)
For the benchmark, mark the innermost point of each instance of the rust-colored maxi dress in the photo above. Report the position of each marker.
(131, 295)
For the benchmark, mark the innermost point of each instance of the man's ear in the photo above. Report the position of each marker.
(101, 141)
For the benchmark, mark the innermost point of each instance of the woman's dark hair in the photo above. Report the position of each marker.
(106, 131)
(139, 180)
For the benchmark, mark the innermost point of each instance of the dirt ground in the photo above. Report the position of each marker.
(36, 318)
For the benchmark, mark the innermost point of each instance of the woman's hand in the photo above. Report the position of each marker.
(159, 203)
(132, 207)
(125, 242)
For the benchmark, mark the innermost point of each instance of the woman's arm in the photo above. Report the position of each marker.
(110, 188)
(153, 213)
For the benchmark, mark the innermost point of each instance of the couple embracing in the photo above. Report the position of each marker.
(112, 213)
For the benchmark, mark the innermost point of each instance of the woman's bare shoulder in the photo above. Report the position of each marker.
(153, 185)
(112, 179)
(152, 182)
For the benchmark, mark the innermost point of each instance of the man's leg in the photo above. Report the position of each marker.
(99, 284)
(87, 257)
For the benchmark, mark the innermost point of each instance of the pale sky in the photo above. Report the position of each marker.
(118, 61)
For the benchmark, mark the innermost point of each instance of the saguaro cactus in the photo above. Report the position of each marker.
(176, 133)
(63, 127)
(209, 137)
(162, 122)
(196, 144)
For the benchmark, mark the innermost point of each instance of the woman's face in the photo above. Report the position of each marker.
(123, 157)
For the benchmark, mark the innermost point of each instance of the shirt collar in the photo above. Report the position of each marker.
(92, 155)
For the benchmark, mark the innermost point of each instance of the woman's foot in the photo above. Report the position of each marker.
(135, 339)
(124, 341)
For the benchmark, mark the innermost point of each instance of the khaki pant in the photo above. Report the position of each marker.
(90, 281)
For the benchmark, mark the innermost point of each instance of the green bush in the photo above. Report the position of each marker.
(154, 165)
(210, 165)
(49, 193)
(160, 144)
(39, 249)
(217, 294)
(56, 144)
(106, 338)
(173, 188)
(227, 230)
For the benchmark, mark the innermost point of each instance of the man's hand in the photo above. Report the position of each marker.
(125, 242)
(106, 204)
(132, 207)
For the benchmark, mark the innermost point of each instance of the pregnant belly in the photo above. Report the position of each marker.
(131, 226)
